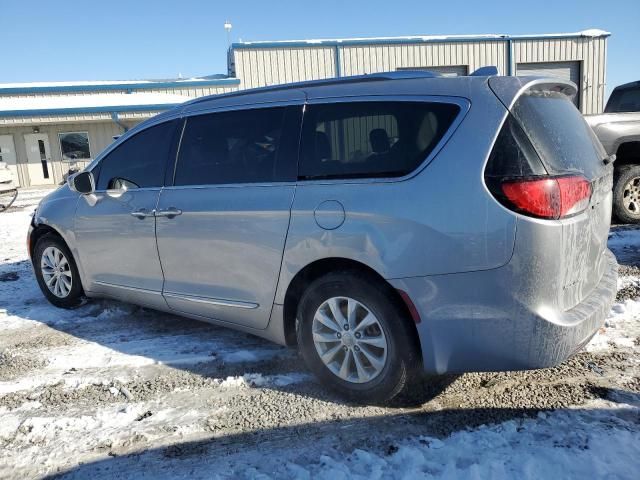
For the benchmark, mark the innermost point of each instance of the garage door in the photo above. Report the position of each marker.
(447, 71)
(563, 70)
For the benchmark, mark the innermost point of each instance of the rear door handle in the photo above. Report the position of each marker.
(143, 213)
(169, 212)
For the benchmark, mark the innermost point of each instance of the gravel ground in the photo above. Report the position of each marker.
(108, 381)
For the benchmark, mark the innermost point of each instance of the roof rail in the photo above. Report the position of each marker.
(488, 71)
(369, 77)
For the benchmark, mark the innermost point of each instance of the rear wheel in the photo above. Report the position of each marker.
(626, 194)
(56, 272)
(355, 338)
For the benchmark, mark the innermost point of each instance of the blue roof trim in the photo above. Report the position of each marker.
(401, 41)
(219, 82)
(81, 110)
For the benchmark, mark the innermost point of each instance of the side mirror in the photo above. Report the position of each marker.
(82, 182)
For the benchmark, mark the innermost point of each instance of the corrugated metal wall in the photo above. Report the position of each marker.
(591, 52)
(258, 66)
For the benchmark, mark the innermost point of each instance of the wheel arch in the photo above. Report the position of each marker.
(628, 152)
(318, 268)
(40, 231)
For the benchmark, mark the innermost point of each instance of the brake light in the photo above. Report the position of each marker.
(548, 197)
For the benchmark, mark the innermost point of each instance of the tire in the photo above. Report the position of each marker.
(376, 385)
(65, 297)
(626, 190)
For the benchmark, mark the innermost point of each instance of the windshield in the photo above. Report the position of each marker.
(559, 133)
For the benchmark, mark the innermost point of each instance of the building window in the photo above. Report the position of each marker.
(74, 146)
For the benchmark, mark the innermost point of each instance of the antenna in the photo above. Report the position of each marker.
(228, 27)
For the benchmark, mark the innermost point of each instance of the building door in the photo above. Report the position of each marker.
(8, 155)
(564, 70)
(39, 163)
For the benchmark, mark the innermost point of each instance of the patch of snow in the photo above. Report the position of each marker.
(593, 32)
(249, 380)
(248, 355)
(25, 104)
(621, 327)
(86, 83)
(563, 444)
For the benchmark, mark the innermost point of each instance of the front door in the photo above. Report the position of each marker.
(8, 155)
(115, 227)
(39, 164)
(221, 228)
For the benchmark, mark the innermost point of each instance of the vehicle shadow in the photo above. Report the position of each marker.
(154, 337)
(209, 457)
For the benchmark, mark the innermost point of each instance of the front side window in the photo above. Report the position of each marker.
(244, 146)
(74, 146)
(371, 139)
(139, 162)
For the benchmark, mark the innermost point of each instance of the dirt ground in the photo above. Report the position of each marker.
(112, 388)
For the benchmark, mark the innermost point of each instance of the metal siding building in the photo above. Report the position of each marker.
(582, 54)
(30, 140)
(33, 132)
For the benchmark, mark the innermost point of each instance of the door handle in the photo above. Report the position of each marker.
(143, 213)
(169, 212)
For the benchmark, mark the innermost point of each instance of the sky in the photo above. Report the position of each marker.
(122, 40)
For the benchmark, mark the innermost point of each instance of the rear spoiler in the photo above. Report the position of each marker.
(508, 89)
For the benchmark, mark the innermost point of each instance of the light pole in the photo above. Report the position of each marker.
(228, 27)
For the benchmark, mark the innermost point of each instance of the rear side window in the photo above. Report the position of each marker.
(245, 146)
(559, 133)
(624, 100)
(140, 161)
(371, 139)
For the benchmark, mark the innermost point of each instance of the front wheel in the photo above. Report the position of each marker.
(626, 194)
(355, 338)
(56, 272)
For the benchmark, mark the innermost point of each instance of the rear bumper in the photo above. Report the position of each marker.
(483, 321)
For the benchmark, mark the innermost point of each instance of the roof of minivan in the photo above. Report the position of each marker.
(385, 83)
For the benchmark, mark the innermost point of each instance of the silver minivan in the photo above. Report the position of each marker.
(385, 224)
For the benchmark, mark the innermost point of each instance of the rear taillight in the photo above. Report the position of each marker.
(547, 197)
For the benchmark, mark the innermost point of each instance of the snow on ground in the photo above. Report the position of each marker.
(110, 389)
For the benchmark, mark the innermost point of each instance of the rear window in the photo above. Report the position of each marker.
(626, 100)
(559, 133)
(371, 139)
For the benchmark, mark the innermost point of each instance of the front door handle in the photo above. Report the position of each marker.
(169, 212)
(143, 213)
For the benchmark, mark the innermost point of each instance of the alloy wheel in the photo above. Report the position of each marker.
(349, 339)
(631, 196)
(56, 272)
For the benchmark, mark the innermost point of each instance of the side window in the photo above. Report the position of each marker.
(244, 146)
(140, 161)
(371, 139)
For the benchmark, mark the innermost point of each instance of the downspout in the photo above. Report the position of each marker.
(118, 122)
(337, 57)
(510, 71)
